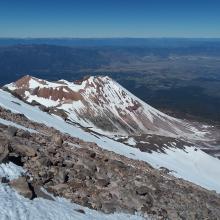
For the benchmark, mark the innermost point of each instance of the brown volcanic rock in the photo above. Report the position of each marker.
(23, 82)
(61, 92)
(23, 149)
(22, 187)
(3, 149)
(58, 94)
(57, 140)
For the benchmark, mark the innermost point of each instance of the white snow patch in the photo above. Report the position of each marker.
(43, 101)
(131, 141)
(144, 142)
(72, 145)
(10, 171)
(192, 164)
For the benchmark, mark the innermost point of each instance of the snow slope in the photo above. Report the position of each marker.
(11, 171)
(195, 166)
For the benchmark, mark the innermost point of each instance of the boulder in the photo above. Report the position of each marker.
(118, 164)
(44, 161)
(3, 149)
(62, 176)
(89, 164)
(40, 193)
(22, 187)
(103, 182)
(80, 211)
(68, 163)
(108, 207)
(4, 179)
(93, 155)
(58, 189)
(142, 191)
(57, 140)
(23, 134)
(23, 150)
(12, 131)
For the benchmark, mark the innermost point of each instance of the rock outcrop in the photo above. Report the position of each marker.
(3, 149)
(22, 187)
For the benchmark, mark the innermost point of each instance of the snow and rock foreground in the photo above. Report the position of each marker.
(85, 174)
(96, 171)
(15, 206)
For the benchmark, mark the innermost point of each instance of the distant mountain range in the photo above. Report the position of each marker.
(91, 42)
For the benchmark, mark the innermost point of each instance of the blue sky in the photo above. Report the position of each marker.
(110, 18)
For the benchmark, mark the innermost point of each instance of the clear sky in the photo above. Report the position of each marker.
(110, 18)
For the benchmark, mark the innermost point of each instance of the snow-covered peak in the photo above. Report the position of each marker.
(100, 104)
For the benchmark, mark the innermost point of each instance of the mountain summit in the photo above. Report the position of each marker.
(100, 104)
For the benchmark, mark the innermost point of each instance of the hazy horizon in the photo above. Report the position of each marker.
(123, 37)
(110, 19)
